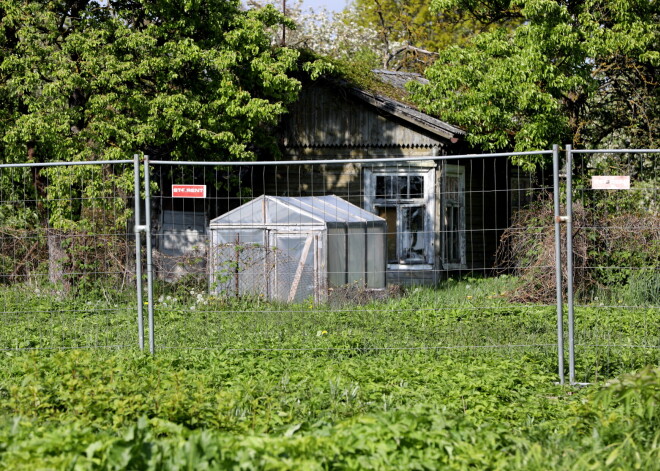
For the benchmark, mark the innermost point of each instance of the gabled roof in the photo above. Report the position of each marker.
(303, 210)
(398, 80)
(364, 112)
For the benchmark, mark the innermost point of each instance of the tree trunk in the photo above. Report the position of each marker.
(56, 254)
(57, 258)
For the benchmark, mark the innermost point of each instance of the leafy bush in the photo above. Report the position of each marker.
(527, 248)
(217, 410)
(611, 250)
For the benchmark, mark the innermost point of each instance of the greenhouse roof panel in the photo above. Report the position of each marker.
(297, 210)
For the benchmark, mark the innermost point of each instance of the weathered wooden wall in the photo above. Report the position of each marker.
(329, 124)
(326, 117)
(487, 199)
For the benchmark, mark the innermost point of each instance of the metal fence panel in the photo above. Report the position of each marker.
(470, 257)
(614, 299)
(452, 268)
(67, 255)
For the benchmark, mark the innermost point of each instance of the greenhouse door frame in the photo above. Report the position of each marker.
(312, 243)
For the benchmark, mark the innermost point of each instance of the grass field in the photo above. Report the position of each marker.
(456, 378)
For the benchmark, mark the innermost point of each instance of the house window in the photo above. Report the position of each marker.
(453, 217)
(403, 197)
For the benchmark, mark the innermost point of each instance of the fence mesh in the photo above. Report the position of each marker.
(452, 274)
(617, 259)
(67, 269)
(441, 253)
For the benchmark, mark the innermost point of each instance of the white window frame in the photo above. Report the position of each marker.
(372, 203)
(453, 171)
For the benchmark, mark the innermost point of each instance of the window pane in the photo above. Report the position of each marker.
(416, 187)
(380, 187)
(400, 189)
(452, 236)
(452, 188)
(391, 187)
(389, 214)
(413, 235)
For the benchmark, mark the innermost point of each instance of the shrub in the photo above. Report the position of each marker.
(613, 251)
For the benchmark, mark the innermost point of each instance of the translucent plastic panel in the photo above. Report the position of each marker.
(319, 210)
(294, 277)
(376, 263)
(278, 213)
(357, 254)
(295, 211)
(342, 210)
(240, 263)
(337, 257)
(250, 213)
(328, 209)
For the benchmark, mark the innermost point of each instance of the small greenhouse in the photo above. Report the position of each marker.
(294, 248)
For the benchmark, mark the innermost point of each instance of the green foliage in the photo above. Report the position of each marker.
(87, 80)
(643, 288)
(458, 317)
(616, 247)
(327, 401)
(578, 72)
(412, 32)
(99, 81)
(360, 75)
(622, 227)
(624, 417)
(220, 410)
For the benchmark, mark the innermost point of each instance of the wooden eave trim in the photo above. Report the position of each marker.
(400, 110)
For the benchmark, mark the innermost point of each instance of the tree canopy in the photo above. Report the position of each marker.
(97, 80)
(580, 72)
(390, 34)
(410, 32)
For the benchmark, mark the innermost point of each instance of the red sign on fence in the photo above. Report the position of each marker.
(188, 191)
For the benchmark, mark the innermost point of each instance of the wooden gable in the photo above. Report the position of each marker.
(336, 116)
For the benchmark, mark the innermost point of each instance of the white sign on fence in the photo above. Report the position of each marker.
(610, 182)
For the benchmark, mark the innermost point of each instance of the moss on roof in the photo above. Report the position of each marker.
(372, 81)
(380, 82)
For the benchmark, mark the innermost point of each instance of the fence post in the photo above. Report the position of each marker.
(137, 228)
(558, 277)
(150, 269)
(569, 262)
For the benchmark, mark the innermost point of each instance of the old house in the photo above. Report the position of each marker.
(443, 215)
